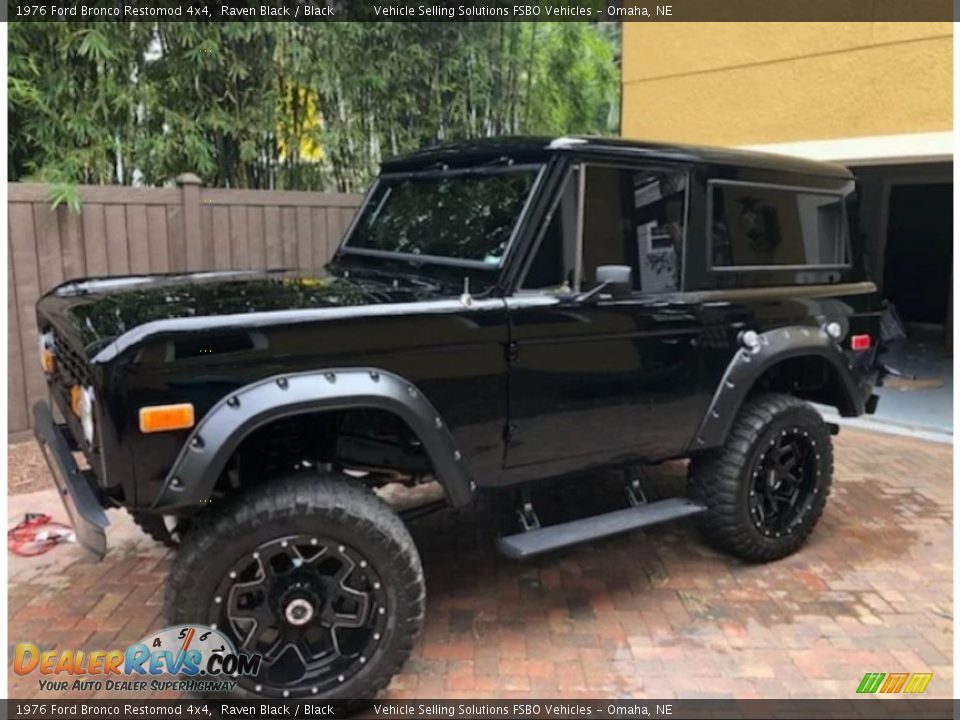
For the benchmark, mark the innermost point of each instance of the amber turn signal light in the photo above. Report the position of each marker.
(48, 361)
(160, 418)
(76, 397)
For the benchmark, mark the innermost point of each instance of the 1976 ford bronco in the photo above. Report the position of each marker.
(499, 314)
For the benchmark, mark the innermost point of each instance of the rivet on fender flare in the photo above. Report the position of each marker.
(197, 443)
(331, 377)
(233, 402)
(456, 455)
(282, 383)
(375, 376)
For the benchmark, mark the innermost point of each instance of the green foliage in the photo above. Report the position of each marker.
(64, 193)
(286, 105)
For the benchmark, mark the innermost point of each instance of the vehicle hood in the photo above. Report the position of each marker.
(97, 311)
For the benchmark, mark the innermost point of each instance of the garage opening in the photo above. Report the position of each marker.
(919, 254)
(906, 215)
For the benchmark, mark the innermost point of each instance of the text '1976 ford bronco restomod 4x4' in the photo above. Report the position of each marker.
(499, 314)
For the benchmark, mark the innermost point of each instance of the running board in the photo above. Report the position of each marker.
(544, 539)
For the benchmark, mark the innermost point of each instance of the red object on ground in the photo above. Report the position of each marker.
(37, 534)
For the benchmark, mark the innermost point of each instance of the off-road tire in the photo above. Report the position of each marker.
(721, 479)
(318, 503)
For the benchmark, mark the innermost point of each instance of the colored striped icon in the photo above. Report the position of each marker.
(914, 683)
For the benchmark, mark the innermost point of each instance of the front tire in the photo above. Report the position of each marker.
(766, 488)
(316, 574)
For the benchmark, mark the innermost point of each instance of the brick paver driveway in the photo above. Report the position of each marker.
(652, 613)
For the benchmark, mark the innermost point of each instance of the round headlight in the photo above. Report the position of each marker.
(86, 413)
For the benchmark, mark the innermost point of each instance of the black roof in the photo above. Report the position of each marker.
(536, 148)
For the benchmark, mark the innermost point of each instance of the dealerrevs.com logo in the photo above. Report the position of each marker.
(204, 659)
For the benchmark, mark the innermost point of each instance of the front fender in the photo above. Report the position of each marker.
(217, 436)
(748, 365)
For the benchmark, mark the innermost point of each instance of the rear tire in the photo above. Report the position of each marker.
(315, 573)
(778, 449)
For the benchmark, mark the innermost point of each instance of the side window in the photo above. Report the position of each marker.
(756, 226)
(635, 217)
(555, 261)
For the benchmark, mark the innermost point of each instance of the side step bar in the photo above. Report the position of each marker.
(544, 539)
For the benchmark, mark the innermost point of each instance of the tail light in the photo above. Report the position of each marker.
(860, 342)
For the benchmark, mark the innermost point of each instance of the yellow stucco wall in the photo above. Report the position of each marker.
(750, 83)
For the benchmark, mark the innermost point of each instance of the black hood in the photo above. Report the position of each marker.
(97, 311)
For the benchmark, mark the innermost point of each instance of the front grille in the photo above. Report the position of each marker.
(72, 365)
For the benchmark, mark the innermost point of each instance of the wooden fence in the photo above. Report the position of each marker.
(124, 230)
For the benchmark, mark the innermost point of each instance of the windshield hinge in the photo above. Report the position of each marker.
(512, 351)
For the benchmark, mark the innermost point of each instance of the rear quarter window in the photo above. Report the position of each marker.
(766, 227)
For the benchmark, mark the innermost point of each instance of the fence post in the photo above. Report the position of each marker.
(189, 185)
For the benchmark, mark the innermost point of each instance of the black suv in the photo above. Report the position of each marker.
(499, 314)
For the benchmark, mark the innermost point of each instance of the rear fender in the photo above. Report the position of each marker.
(749, 364)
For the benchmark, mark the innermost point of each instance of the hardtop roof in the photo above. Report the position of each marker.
(532, 148)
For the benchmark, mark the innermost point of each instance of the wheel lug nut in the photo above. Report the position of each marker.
(313, 541)
(341, 678)
(286, 693)
(363, 563)
(341, 548)
(376, 636)
(284, 543)
(256, 556)
(314, 690)
(258, 688)
(233, 574)
(362, 659)
(381, 611)
(218, 599)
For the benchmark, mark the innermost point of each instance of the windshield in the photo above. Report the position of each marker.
(465, 216)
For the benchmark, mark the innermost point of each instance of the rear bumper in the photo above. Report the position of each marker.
(76, 492)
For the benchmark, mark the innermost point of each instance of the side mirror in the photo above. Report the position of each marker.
(615, 280)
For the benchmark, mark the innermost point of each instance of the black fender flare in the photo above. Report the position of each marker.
(748, 364)
(213, 441)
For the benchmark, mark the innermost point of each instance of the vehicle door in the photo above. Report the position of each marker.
(613, 376)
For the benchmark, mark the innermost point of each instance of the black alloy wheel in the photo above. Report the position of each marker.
(785, 483)
(766, 487)
(315, 574)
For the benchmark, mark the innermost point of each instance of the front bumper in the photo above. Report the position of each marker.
(76, 492)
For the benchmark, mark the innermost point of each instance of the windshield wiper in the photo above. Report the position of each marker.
(410, 278)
